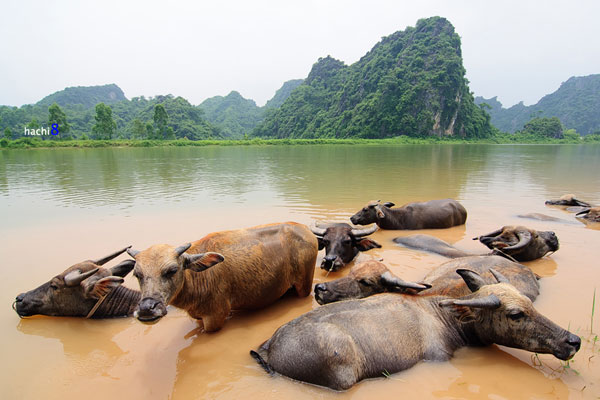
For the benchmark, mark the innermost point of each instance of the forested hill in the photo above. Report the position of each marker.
(576, 103)
(236, 116)
(87, 96)
(411, 83)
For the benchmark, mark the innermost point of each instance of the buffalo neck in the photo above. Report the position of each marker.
(198, 287)
(120, 302)
(392, 218)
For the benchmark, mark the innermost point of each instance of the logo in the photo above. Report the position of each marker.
(42, 131)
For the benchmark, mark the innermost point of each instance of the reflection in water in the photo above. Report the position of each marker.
(61, 205)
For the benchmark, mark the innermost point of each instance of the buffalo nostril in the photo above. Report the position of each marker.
(20, 297)
(574, 341)
(320, 288)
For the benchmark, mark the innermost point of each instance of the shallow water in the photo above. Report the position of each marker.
(59, 207)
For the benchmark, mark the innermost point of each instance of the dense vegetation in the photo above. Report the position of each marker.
(575, 104)
(411, 83)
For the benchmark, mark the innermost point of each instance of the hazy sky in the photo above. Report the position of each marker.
(516, 50)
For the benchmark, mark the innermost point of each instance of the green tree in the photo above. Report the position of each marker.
(138, 129)
(57, 116)
(544, 127)
(161, 118)
(149, 131)
(8, 133)
(33, 124)
(105, 126)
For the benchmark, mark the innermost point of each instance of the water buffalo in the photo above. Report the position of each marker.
(568, 200)
(342, 243)
(434, 214)
(83, 290)
(372, 277)
(591, 214)
(430, 244)
(363, 280)
(253, 268)
(339, 344)
(520, 243)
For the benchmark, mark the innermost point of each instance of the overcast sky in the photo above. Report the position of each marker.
(516, 50)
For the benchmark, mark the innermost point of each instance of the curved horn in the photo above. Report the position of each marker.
(357, 233)
(583, 212)
(390, 280)
(582, 203)
(132, 252)
(109, 257)
(182, 249)
(495, 233)
(499, 277)
(318, 231)
(524, 239)
(74, 278)
(490, 301)
(473, 280)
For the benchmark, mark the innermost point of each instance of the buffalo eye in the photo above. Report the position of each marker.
(138, 275)
(326, 242)
(167, 274)
(346, 242)
(364, 282)
(53, 286)
(516, 315)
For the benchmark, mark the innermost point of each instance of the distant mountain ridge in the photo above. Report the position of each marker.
(576, 103)
(87, 96)
(410, 83)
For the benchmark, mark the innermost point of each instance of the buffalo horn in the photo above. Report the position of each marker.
(491, 234)
(390, 280)
(132, 252)
(109, 257)
(318, 231)
(490, 301)
(524, 239)
(74, 278)
(473, 280)
(357, 233)
(583, 212)
(182, 249)
(499, 277)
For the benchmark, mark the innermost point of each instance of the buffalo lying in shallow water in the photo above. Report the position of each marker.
(342, 243)
(591, 214)
(339, 344)
(372, 277)
(83, 290)
(520, 243)
(434, 214)
(568, 200)
(253, 268)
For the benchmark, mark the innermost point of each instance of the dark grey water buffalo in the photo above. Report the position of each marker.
(339, 344)
(85, 289)
(543, 217)
(568, 200)
(372, 277)
(434, 214)
(364, 280)
(520, 242)
(591, 214)
(253, 268)
(430, 244)
(342, 243)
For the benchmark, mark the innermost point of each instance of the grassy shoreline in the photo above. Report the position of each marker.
(29, 143)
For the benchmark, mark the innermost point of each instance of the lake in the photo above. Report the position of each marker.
(62, 206)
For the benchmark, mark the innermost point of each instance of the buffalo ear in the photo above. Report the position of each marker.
(389, 204)
(367, 244)
(380, 213)
(202, 261)
(103, 286)
(122, 268)
(473, 280)
(321, 243)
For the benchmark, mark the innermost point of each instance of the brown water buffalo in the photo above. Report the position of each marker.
(591, 214)
(364, 280)
(339, 344)
(434, 214)
(520, 242)
(252, 269)
(568, 200)
(83, 290)
(372, 277)
(342, 243)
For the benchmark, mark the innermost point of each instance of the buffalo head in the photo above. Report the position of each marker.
(591, 214)
(160, 271)
(342, 243)
(370, 213)
(364, 280)
(74, 292)
(499, 313)
(520, 243)
(568, 200)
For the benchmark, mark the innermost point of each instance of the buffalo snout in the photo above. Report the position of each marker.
(331, 262)
(568, 348)
(150, 309)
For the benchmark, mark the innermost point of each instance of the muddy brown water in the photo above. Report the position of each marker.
(58, 207)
